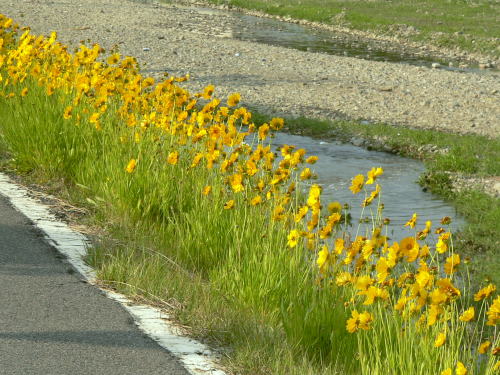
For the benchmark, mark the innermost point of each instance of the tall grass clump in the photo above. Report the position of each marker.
(204, 182)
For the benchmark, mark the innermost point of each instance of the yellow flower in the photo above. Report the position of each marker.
(305, 174)
(447, 287)
(373, 293)
(148, 82)
(236, 182)
(196, 159)
(113, 59)
(467, 315)
(256, 200)
(131, 165)
(451, 264)
(485, 292)
(302, 212)
(411, 223)
(173, 158)
(251, 168)
(293, 238)
(460, 369)
(94, 118)
(323, 259)
(333, 219)
(433, 314)
(409, 248)
(424, 251)
(382, 269)
(494, 313)
(229, 204)
(497, 366)
(343, 278)
(24, 92)
(334, 207)
(441, 246)
(424, 232)
(446, 220)
(233, 99)
(260, 185)
(339, 245)
(325, 232)
(277, 123)
(440, 339)
(423, 277)
(373, 174)
(263, 131)
(314, 194)
(401, 303)
(438, 297)
(374, 194)
(206, 190)
(313, 223)
(358, 321)
(67, 112)
(312, 159)
(357, 184)
(208, 91)
(363, 282)
(484, 347)
(448, 371)
(278, 213)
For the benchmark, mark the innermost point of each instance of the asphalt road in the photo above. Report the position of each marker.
(53, 323)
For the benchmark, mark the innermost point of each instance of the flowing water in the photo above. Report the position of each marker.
(285, 34)
(401, 194)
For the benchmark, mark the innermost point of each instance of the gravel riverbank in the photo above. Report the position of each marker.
(180, 39)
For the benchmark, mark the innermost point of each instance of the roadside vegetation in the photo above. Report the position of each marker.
(469, 25)
(203, 217)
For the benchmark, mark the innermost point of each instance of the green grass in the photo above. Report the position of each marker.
(469, 25)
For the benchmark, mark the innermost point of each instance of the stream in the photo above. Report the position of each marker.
(401, 194)
(291, 35)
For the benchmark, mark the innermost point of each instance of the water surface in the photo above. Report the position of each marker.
(401, 194)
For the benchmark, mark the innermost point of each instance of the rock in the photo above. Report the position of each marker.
(496, 188)
(356, 141)
(146, 49)
(485, 65)
(436, 65)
